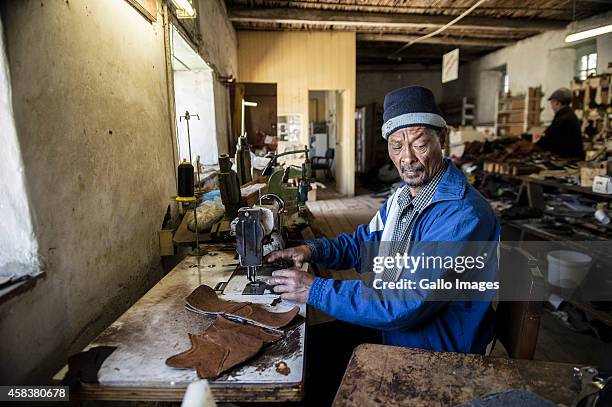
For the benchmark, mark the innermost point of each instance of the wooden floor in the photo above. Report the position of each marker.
(333, 214)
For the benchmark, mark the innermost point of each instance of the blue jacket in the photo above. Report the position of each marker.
(457, 213)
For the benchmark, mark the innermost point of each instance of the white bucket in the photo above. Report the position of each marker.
(567, 269)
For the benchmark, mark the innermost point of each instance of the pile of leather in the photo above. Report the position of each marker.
(225, 343)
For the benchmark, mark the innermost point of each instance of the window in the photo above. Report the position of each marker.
(506, 83)
(587, 65)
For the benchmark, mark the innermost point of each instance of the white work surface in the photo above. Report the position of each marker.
(156, 327)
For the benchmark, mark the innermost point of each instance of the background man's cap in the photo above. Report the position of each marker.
(411, 106)
(563, 95)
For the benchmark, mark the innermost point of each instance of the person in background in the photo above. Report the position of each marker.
(563, 137)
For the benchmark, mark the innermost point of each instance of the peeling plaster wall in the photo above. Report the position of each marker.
(91, 111)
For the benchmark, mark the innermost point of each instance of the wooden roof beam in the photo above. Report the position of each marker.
(459, 41)
(355, 20)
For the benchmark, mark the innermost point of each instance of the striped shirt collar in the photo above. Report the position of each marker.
(424, 196)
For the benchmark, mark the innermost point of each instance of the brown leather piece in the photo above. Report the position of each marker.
(204, 355)
(257, 313)
(266, 336)
(204, 300)
(241, 347)
(225, 344)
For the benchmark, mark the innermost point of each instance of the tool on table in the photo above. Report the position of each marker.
(186, 184)
(591, 386)
(294, 196)
(258, 231)
(229, 187)
(243, 160)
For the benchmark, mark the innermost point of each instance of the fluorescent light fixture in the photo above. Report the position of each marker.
(593, 32)
(184, 9)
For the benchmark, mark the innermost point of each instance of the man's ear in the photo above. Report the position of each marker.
(443, 136)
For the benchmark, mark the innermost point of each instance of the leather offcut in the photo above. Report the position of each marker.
(225, 344)
(204, 300)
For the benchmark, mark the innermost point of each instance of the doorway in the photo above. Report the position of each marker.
(324, 127)
(193, 93)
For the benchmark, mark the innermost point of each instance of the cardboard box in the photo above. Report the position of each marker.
(602, 184)
(588, 171)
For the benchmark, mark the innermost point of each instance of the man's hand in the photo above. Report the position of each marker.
(292, 284)
(537, 137)
(298, 255)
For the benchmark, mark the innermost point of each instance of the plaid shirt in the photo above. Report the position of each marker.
(410, 207)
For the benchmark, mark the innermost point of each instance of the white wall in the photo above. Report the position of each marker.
(540, 60)
(194, 92)
(604, 42)
(18, 245)
(545, 59)
(604, 52)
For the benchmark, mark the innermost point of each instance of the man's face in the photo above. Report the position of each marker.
(416, 153)
(555, 105)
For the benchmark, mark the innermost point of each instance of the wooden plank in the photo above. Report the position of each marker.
(166, 246)
(355, 20)
(335, 214)
(469, 42)
(221, 393)
(379, 375)
(184, 236)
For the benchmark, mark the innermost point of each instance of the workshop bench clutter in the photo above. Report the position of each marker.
(159, 326)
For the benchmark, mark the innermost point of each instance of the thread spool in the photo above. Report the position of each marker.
(185, 181)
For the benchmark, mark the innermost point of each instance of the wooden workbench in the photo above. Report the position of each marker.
(156, 327)
(379, 375)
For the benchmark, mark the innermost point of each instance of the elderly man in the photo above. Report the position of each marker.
(436, 204)
(563, 137)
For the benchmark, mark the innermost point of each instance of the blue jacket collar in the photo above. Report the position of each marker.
(453, 184)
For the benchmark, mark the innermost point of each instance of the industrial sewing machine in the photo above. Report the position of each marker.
(291, 184)
(258, 231)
